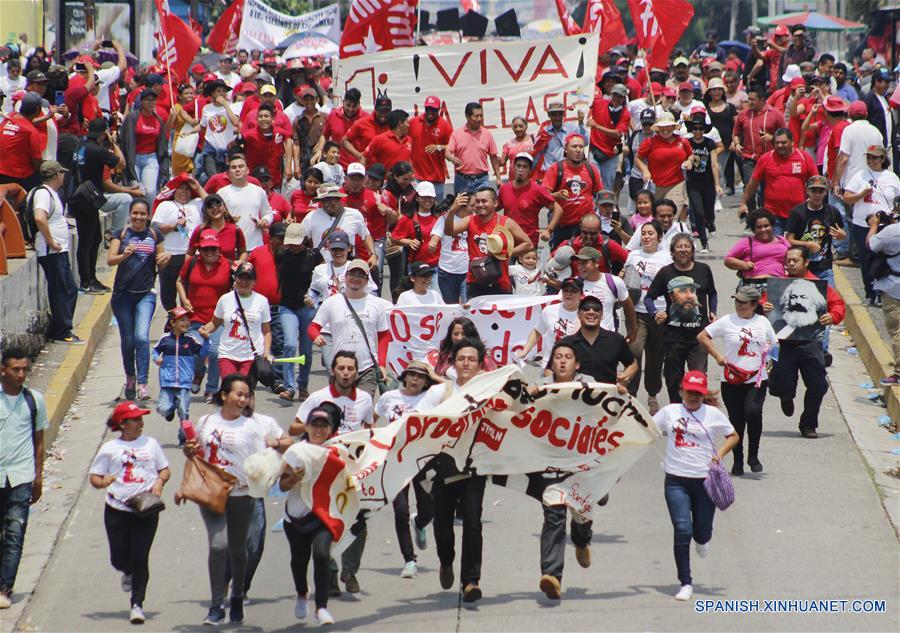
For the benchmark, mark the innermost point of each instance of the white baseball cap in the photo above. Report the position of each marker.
(425, 189)
(356, 169)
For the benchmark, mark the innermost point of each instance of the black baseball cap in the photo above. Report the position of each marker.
(376, 171)
(261, 173)
(572, 282)
(420, 269)
(278, 229)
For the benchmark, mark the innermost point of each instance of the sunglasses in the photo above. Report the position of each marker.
(591, 308)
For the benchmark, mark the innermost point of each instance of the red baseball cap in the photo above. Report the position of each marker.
(686, 85)
(859, 108)
(433, 102)
(209, 238)
(208, 77)
(698, 110)
(128, 411)
(833, 103)
(178, 312)
(670, 92)
(781, 29)
(695, 381)
(304, 91)
(198, 68)
(246, 87)
(656, 87)
(797, 82)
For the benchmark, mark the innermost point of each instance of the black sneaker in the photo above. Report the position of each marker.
(755, 467)
(351, 583)
(236, 612)
(170, 415)
(71, 339)
(828, 359)
(737, 470)
(334, 589)
(215, 617)
(98, 288)
(808, 433)
(89, 290)
(787, 406)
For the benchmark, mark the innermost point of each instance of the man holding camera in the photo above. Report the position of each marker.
(885, 239)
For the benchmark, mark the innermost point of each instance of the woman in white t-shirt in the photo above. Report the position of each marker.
(226, 439)
(453, 264)
(237, 350)
(126, 467)
(872, 190)
(746, 339)
(691, 427)
(421, 293)
(176, 216)
(642, 265)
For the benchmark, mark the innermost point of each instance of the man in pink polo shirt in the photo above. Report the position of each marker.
(470, 148)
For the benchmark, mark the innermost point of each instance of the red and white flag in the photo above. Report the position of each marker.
(570, 26)
(659, 25)
(177, 43)
(223, 37)
(603, 16)
(378, 25)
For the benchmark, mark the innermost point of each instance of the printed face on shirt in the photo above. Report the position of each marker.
(685, 307)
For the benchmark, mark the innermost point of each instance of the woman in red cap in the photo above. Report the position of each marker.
(126, 467)
(176, 215)
(690, 450)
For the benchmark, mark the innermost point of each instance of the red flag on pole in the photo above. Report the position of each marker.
(604, 16)
(378, 25)
(659, 25)
(223, 37)
(570, 26)
(178, 44)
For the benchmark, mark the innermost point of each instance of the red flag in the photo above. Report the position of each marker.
(604, 16)
(570, 26)
(378, 25)
(659, 25)
(196, 27)
(223, 37)
(178, 44)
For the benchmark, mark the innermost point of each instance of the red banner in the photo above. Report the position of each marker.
(223, 37)
(659, 25)
(378, 25)
(570, 26)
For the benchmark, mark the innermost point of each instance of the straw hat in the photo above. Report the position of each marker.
(500, 242)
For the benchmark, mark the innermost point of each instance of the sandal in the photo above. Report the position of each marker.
(286, 394)
(278, 389)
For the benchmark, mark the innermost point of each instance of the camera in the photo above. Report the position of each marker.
(885, 218)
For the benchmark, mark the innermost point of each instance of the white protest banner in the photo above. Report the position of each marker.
(508, 79)
(504, 322)
(263, 27)
(581, 436)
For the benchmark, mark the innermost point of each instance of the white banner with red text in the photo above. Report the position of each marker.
(503, 321)
(509, 79)
(574, 440)
(262, 27)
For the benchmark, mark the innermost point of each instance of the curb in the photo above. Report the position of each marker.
(874, 354)
(65, 382)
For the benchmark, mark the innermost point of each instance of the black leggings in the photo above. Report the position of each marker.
(424, 514)
(168, 295)
(745, 410)
(130, 538)
(702, 198)
(89, 240)
(316, 544)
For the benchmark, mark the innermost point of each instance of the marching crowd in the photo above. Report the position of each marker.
(269, 222)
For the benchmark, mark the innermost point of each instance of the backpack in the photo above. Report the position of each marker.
(32, 407)
(30, 223)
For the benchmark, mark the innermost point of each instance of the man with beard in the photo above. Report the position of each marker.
(800, 306)
(803, 357)
(430, 135)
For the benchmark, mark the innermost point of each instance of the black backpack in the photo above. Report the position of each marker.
(31, 227)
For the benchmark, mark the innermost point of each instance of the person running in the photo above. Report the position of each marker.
(176, 216)
(175, 354)
(761, 255)
(307, 536)
(137, 251)
(660, 159)
(690, 427)
(126, 467)
(416, 379)
(232, 243)
(746, 339)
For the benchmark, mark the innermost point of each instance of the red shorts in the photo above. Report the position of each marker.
(229, 366)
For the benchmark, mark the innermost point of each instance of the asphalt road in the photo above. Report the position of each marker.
(811, 527)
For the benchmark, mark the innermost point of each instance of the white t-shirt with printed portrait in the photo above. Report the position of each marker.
(454, 251)
(602, 291)
(886, 187)
(688, 449)
(345, 333)
(134, 464)
(555, 323)
(393, 404)
(317, 222)
(228, 443)
(219, 130)
(170, 212)
(234, 344)
(744, 341)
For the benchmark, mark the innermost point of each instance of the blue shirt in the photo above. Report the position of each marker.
(16, 442)
(847, 92)
(177, 369)
(554, 152)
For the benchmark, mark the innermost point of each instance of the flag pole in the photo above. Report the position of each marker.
(418, 22)
(649, 81)
(162, 29)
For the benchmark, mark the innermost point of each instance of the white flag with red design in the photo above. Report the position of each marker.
(378, 25)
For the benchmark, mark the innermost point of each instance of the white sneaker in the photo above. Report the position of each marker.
(301, 608)
(703, 250)
(684, 593)
(323, 617)
(702, 549)
(137, 615)
(126, 583)
(5, 602)
(409, 570)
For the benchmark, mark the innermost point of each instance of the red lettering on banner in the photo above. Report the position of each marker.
(483, 56)
(450, 81)
(482, 101)
(522, 419)
(558, 423)
(503, 122)
(430, 324)
(531, 113)
(395, 330)
(541, 424)
(541, 70)
(490, 435)
(515, 75)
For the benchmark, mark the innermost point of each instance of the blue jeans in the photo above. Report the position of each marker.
(117, 204)
(858, 235)
(134, 311)
(826, 275)
(607, 167)
(212, 161)
(469, 184)
(173, 399)
(294, 324)
(15, 503)
(379, 267)
(692, 515)
(780, 226)
(146, 167)
(452, 286)
(210, 352)
(62, 292)
(840, 248)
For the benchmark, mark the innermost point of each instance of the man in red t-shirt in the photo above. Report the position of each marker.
(21, 145)
(522, 200)
(365, 129)
(609, 123)
(783, 172)
(267, 96)
(268, 146)
(430, 134)
(590, 233)
(339, 121)
(393, 146)
(573, 188)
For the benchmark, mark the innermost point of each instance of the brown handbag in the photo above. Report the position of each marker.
(206, 484)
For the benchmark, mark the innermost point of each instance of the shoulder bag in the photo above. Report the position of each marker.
(205, 484)
(717, 484)
(379, 381)
(262, 368)
(337, 220)
(87, 197)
